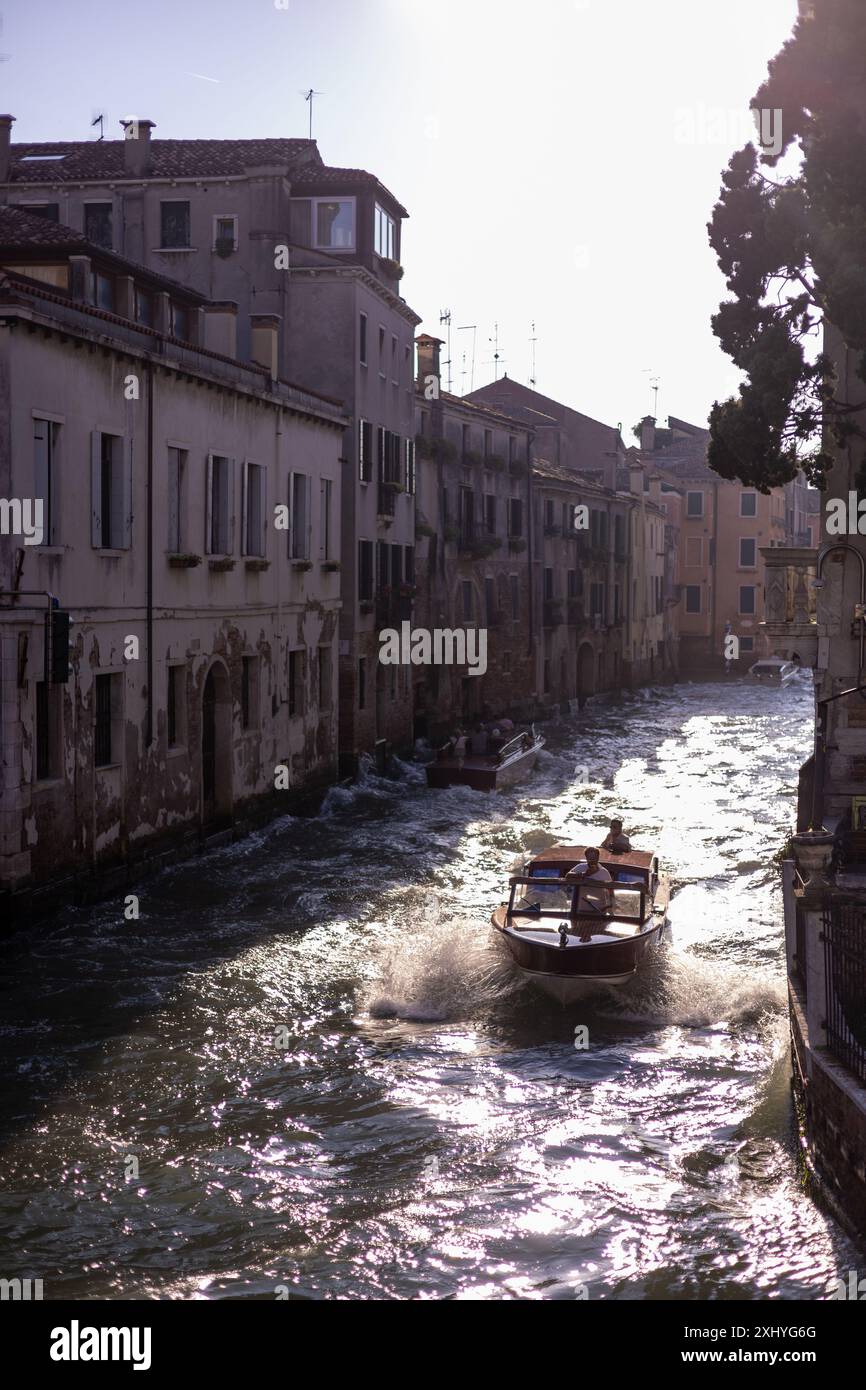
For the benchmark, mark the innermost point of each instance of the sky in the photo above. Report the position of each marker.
(559, 160)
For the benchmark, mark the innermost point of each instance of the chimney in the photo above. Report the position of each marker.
(221, 327)
(264, 341)
(648, 434)
(136, 146)
(428, 357)
(6, 123)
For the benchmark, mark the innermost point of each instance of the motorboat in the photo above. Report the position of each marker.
(572, 937)
(487, 772)
(774, 670)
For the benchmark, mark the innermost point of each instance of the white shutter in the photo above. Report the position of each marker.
(208, 510)
(230, 506)
(118, 493)
(96, 489)
(173, 470)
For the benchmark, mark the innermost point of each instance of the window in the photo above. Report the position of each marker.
(748, 553)
(174, 225)
(362, 340)
(225, 234)
(748, 504)
(219, 540)
(49, 210)
(489, 601)
(176, 483)
(466, 592)
(249, 692)
(694, 552)
(385, 234)
(365, 451)
(299, 519)
(382, 371)
(334, 224)
(410, 467)
(46, 436)
(97, 224)
(48, 743)
(362, 683)
(324, 677)
(694, 504)
(296, 683)
(596, 600)
(490, 514)
(409, 571)
(571, 581)
(549, 515)
(179, 321)
(103, 291)
(747, 598)
(106, 720)
(144, 308)
(111, 519)
(515, 516)
(693, 598)
(254, 509)
(176, 707)
(365, 571)
(512, 448)
(747, 644)
(514, 583)
(548, 585)
(325, 494)
(394, 367)
(546, 690)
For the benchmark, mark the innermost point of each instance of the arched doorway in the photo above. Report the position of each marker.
(585, 673)
(216, 746)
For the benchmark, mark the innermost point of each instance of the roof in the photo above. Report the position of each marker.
(103, 161)
(555, 472)
(25, 231)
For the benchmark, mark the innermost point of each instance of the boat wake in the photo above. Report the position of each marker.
(441, 972)
(689, 991)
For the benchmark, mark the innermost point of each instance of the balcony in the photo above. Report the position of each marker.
(476, 541)
(552, 613)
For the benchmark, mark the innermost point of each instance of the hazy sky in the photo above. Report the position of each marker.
(559, 159)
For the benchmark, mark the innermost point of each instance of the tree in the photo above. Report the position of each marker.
(793, 250)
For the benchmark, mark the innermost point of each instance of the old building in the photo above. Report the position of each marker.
(190, 538)
(306, 258)
(723, 528)
(474, 548)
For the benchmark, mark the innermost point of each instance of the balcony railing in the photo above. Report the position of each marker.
(845, 983)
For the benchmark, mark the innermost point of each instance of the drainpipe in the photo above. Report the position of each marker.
(530, 441)
(148, 723)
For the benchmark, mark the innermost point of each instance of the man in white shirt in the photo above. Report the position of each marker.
(590, 899)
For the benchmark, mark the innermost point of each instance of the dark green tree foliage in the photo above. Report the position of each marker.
(793, 249)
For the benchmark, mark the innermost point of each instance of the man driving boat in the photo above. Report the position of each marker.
(589, 899)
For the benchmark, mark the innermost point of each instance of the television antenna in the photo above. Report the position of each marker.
(445, 317)
(654, 387)
(532, 341)
(497, 356)
(466, 328)
(99, 119)
(308, 97)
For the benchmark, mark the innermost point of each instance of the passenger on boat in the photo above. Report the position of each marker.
(460, 747)
(615, 841)
(495, 742)
(591, 899)
(478, 741)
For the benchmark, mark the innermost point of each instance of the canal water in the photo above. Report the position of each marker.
(308, 1071)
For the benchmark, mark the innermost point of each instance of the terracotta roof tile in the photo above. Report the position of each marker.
(102, 160)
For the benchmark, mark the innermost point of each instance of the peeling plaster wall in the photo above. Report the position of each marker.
(82, 815)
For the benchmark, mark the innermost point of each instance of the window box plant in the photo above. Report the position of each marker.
(257, 564)
(184, 562)
(302, 565)
(221, 564)
(331, 566)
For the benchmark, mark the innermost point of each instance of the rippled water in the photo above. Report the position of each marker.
(423, 1126)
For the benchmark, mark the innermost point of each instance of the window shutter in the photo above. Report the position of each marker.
(245, 505)
(230, 507)
(208, 521)
(126, 450)
(173, 469)
(96, 488)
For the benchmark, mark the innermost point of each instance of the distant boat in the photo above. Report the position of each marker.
(544, 918)
(487, 772)
(773, 670)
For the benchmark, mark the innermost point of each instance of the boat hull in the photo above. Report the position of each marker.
(573, 971)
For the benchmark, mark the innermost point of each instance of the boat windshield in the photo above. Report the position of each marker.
(623, 901)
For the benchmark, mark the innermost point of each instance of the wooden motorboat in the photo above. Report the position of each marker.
(488, 772)
(570, 938)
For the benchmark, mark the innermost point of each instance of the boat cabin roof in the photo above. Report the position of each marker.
(637, 859)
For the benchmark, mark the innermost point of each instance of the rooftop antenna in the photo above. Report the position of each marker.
(465, 329)
(654, 387)
(99, 119)
(496, 354)
(533, 340)
(308, 97)
(445, 317)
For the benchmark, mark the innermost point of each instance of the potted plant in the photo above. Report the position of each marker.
(256, 564)
(184, 562)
